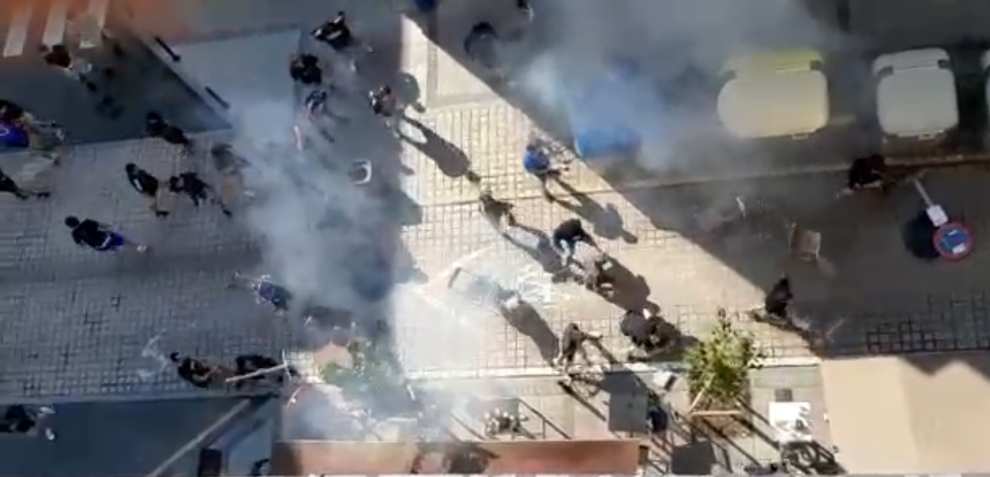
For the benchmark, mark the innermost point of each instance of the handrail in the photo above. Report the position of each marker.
(168, 50)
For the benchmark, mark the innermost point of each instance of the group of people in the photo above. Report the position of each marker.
(308, 70)
(248, 369)
(103, 237)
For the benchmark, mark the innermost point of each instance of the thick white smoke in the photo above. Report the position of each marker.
(678, 45)
(312, 221)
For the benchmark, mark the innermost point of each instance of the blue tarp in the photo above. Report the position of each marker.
(606, 116)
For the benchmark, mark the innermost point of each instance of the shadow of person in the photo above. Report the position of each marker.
(449, 158)
(606, 220)
(527, 320)
(408, 92)
(629, 291)
(536, 244)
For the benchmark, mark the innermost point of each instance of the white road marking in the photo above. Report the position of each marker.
(17, 35)
(97, 11)
(58, 12)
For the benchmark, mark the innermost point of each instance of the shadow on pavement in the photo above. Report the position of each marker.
(527, 320)
(449, 158)
(605, 219)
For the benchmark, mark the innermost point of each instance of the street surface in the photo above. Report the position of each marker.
(77, 325)
(113, 438)
(142, 82)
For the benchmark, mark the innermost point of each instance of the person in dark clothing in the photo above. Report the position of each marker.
(305, 69)
(866, 173)
(335, 32)
(250, 363)
(97, 236)
(17, 420)
(147, 185)
(571, 343)
(58, 56)
(384, 104)
(156, 126)
(567, 235)
(11, 112)
(8, 185)
(193, 371)
(190, 184)
(496, 210)
(648, 332)
(777, 299)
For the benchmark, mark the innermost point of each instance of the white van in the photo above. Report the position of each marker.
(774, 94)
(916, 95)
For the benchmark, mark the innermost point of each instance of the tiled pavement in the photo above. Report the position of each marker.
(75, 322)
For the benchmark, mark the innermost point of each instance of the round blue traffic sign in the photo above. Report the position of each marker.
(953, 240)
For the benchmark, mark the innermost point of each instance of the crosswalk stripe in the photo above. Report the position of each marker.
(55, 24)
(97, 11)
(18, 30)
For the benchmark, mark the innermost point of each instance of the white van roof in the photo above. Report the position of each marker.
(774, 94)
(916, 96)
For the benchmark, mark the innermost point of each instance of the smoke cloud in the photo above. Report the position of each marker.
(678, 45)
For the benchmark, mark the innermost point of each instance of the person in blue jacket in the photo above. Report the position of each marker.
(537, 162)
(14, 135)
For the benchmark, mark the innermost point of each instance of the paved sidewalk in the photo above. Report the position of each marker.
(75, 322)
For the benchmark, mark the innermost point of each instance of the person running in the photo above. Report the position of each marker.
(571, 343)
(251, 363)
(776, 301)
(537, 163)
(148, 186)
(384, 104)
(59, 56)
(8, 185)
(190, 184)
(336, 33)
(228, 167)
(99, 237)
(497, 212)
(305, 69)
(156, 126)
(567, 235)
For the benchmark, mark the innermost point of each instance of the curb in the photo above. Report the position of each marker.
(546, 371)
(980, 160)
